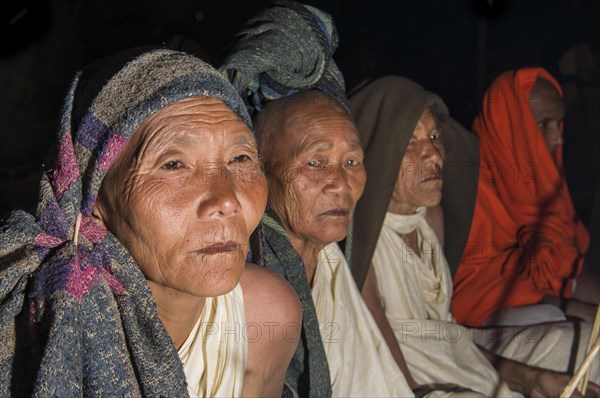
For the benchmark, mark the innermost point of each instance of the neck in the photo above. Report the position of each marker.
(308, 252)
(177, 310)
(401, 208)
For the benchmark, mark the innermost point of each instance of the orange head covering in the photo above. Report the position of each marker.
(525, 239)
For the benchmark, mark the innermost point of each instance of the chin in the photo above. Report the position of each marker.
(220, 289)
(432, 200)
(219, 282)
(333, 236)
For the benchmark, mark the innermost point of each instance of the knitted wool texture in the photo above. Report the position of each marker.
(283, 50)
(76, 315)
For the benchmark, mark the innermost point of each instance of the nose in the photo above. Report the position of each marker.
(336, 179)
(552, 134)
(432, 151)
(219, 198)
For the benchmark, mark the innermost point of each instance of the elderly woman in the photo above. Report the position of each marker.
(408, 136)
(315, 176)
(131, 277)
(313, 162)
(398, 259)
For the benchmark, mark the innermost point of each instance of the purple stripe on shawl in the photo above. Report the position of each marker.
(53, 221)
(105, 259)
(81, 281)
(87, 203)
(41, 252)
(52, 279)
(91, 131)
(47, 241)
(67, 170)
(110, 151)
(91, 230)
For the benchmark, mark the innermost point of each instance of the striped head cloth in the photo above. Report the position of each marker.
(67, 277)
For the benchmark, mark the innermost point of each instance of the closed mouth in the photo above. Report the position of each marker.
(340, 212)
(221, 247)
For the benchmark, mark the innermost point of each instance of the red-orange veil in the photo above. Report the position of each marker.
(525, 240)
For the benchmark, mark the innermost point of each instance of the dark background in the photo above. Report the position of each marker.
(452, 47)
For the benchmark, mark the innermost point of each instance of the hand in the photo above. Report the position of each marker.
(546, 383)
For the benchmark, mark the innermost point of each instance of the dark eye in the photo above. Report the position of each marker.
(241, 159)
(172, 165)
(434, 136)
(314, 163)
(352, 162)
(544, 124)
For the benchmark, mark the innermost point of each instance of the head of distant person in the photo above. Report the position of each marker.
(548, 108)
(419, 181)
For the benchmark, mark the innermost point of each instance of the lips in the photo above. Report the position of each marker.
(220, 247)
(338, 212)
(436, 177)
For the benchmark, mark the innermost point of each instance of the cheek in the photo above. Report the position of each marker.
(357, 182)
(442, 150)
(157, 213)
(406, 185)
(255, 197)
(300, 199)
(295, 198)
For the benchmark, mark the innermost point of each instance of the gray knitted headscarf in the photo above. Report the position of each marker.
(283, 50)
(76, 315)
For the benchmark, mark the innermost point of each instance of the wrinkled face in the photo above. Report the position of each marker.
(419, 180)
(184, 195)
(548, 108)
(317, 173)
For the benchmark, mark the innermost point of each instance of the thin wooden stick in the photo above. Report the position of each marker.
(587, 362)
(582, 387)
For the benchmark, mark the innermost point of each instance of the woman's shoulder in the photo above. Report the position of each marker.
(268, 297)
(273, 323)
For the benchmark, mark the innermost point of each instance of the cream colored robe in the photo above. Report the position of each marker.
(548, 346)
(360, 363)
(415, 294)
(214, 354)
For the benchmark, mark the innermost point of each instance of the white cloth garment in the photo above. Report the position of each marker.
(415, 293)
(547, 345)
(360, 363)
(214, 354)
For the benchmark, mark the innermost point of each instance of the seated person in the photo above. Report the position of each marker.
(131, 277)
(398, 259)
(315, 175)
(526, 244)
(284, 68)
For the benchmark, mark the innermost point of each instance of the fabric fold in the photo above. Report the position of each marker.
(526, 240)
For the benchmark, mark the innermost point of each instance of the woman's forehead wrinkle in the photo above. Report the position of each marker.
(314, 143)
(240, 138)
